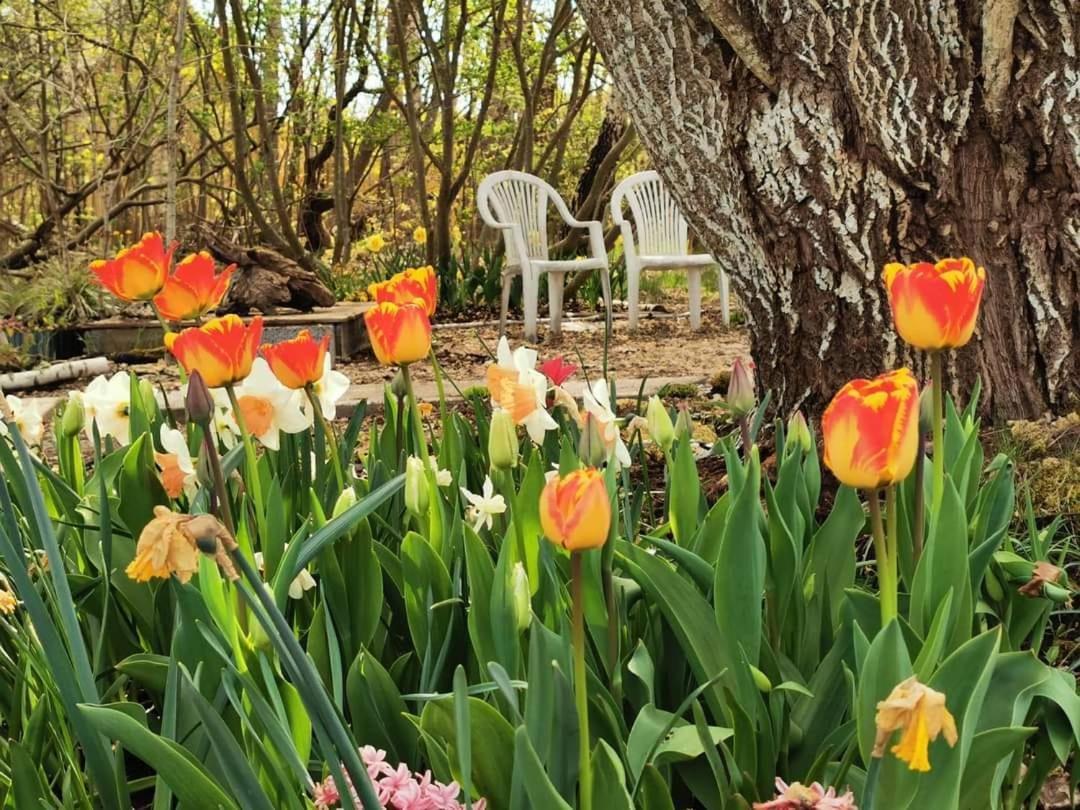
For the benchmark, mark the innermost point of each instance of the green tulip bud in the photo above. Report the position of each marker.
(502, 441)
(1055, 593)
(798, 432)
(520, 596)
(926, 409)
(660, 427)
(416, 487)
(345, 500)
(74, 418)
(993, 586)
(592, 449)
(741, 398)
(684, 425)
(146, 392)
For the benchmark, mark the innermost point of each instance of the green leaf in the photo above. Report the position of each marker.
(609, 780)
(377, 710)
(538, 787)
(492, 745)
(942, 568)
(187, 778)
(887, 664)
(988, 748)
(427, 582)
(685, 494)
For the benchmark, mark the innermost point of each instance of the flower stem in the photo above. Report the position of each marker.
(918, 528)
(251, 461)
(744, 431)
(881, 552)
(937, 378)
(892, 531)
(331, 438)
(420, 448)
(220, 489)
(581, 686)
(437, 369)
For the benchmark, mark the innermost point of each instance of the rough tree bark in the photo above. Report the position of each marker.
(811, 142)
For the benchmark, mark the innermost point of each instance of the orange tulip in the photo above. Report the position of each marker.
(138, 272)
(871, 430)
(400, 333)
(415, 284)
(575, 511)
(193, 290)
(298, 362)
(221, 350)
(935, 306)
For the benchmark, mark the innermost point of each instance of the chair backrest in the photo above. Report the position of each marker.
(658, 225)
(520, 199)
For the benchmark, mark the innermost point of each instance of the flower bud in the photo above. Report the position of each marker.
(926, 408)
(684, 424)
(74, 417)
(416, 487)
(199, 403)
(345, 500)
(660, 427)
(761, 680)
(398, 387)
(798, 432)
(502, 441)
(519, 595)
(592, 449)
(740, 394)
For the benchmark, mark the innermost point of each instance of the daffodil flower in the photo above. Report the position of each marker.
(597, 401)
(27, 418)
(178, 475)
(518, 388)
(442, 477)
(268, 407)
(328, 389)
(107, 401)
(484, 507)
(303, 581)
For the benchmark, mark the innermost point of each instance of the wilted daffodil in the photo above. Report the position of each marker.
(870, 430)
(169, 545)
(575, 512)
(935, 306)
(919, 713)
(137, 273)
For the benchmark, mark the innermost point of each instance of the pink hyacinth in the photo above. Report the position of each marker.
(397, 788)
(797, 796)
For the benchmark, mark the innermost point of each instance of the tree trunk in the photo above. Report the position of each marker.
(810, 143)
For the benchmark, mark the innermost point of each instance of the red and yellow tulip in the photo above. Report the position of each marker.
(935, 306)
(193, 289)
(400, 333)
(298, 362)
(412, 285)
(221, 350)
(575, 512)
(137, 273)
(870, 430)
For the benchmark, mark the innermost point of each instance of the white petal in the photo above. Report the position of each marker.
(503, 355)
(538, 423)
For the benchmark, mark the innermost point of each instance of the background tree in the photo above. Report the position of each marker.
(809, 143)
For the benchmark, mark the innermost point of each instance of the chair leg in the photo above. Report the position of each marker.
(693, 283)
(633, 293)
(605, 284)
(555, 282)
(725, 297)
(504, 308)
(530, 295)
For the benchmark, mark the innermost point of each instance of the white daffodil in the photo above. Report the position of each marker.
(517, 387)
(107, 401)
(597, 401)
(268, 407)
(177, 469)
(484, 507)
(304, 581)
(328, 389)
(442, 477)
(27, 419)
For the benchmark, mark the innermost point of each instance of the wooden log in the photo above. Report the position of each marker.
(56, 373)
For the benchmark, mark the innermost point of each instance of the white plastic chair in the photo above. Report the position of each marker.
(661, 243)
(516, 203)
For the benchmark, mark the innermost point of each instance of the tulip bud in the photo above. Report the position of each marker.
(592, 450)
(660, 427)
(199, 403)
(74, 417)
(799, 432)
(398, 387)
(502, 441)
(345, 500)
(926, 408)
(740, 394)
(1055, 593)
(761, 680)
(684, 425)
(416, 487)
(993, 585)
(519, 595)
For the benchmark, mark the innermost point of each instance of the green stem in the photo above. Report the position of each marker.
(937, 379)
(881, 552)
(437, 369)
(251, 460)
(581, 687)
(892, 533)
(331, 438)
(418, 425)
(918, 528)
